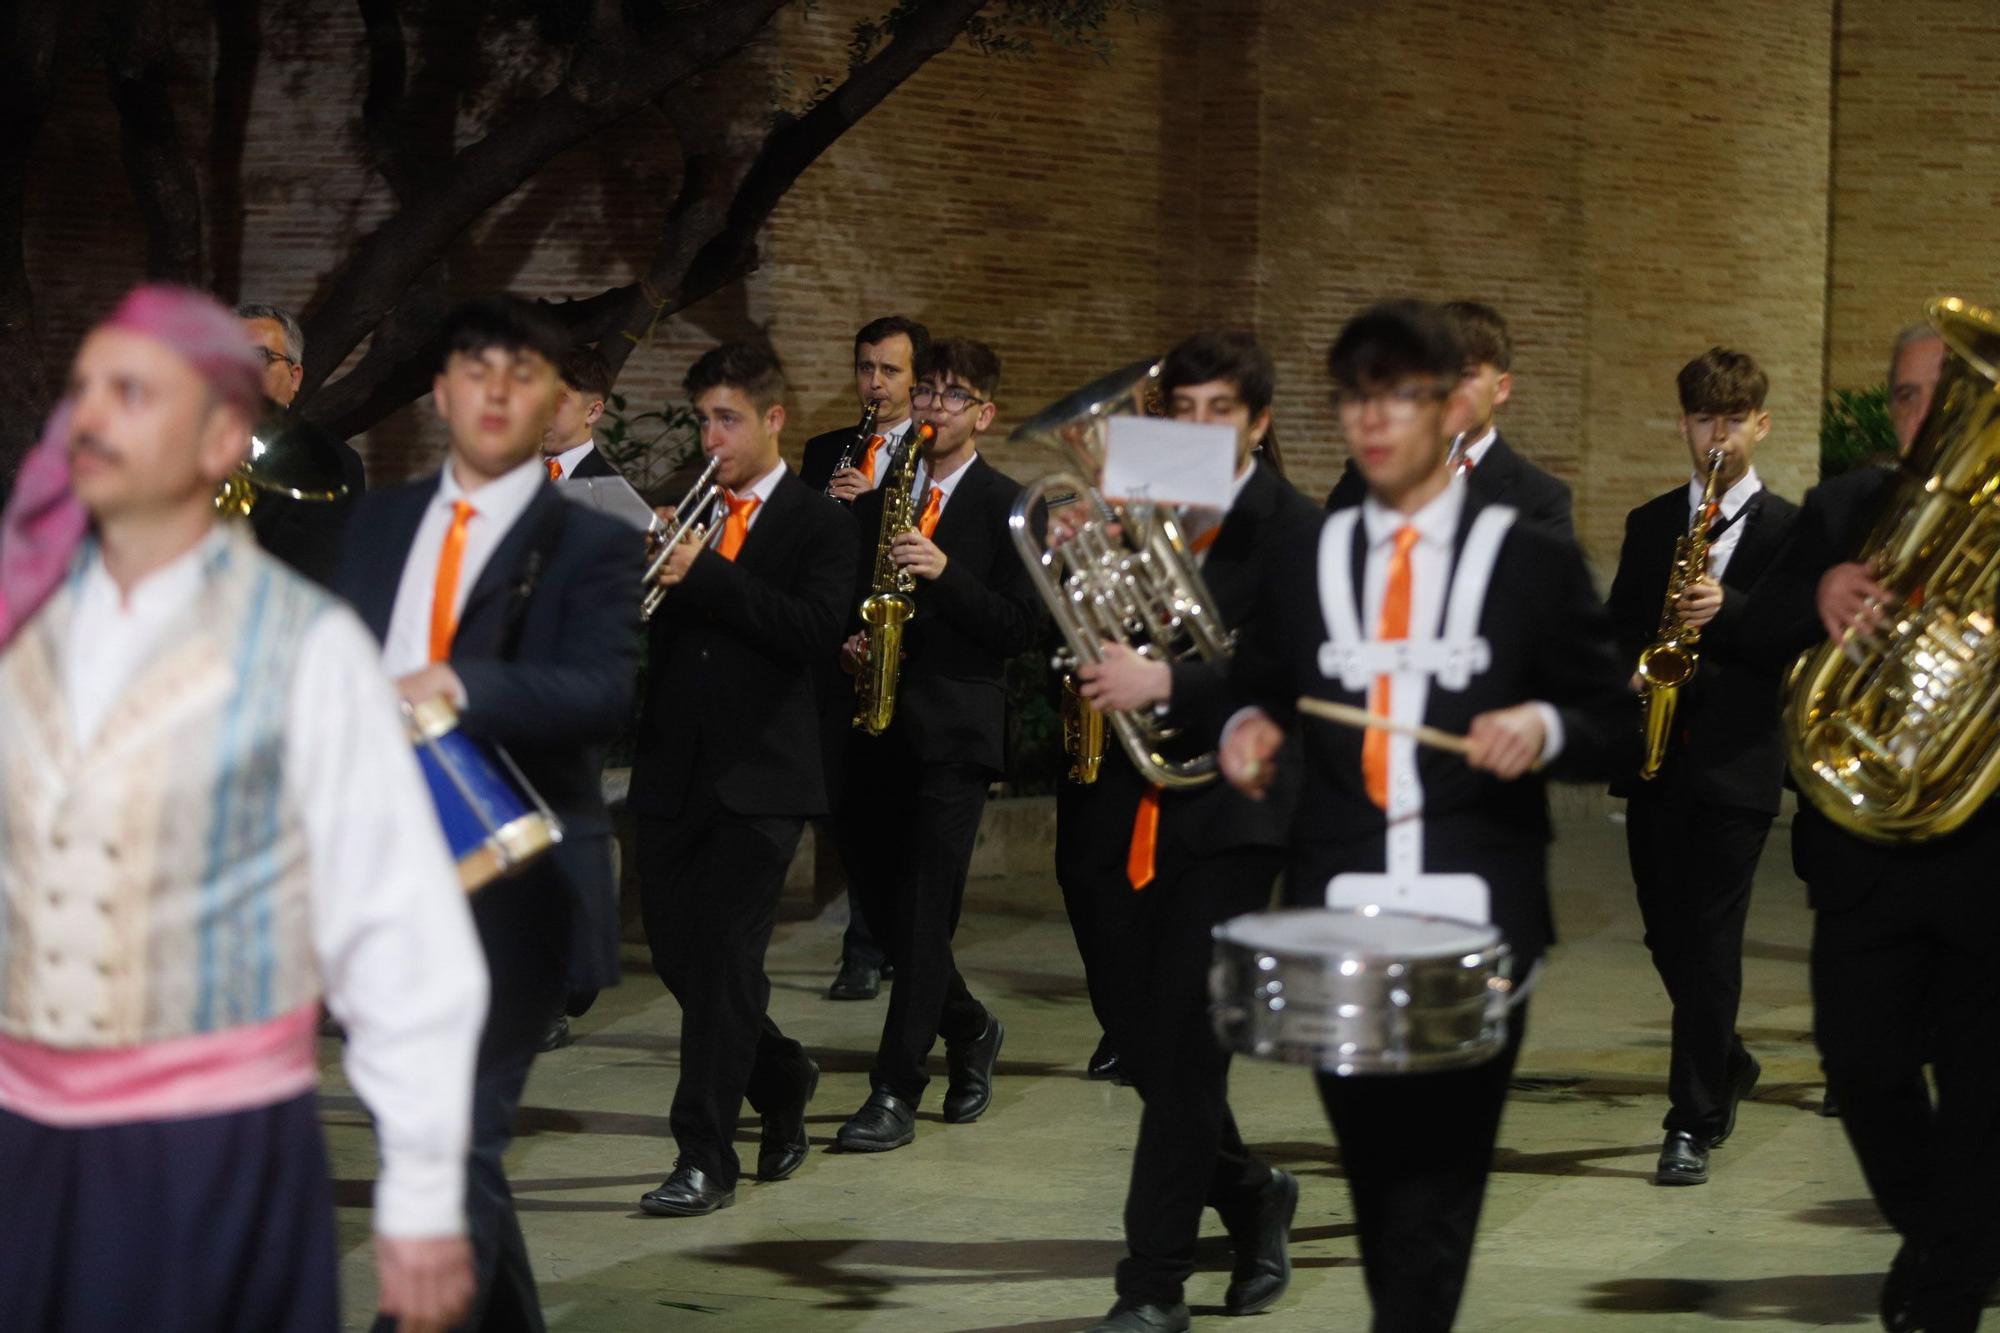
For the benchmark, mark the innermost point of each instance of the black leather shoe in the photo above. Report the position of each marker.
(1104, 1063)
(1683, 1161)
(558, 1035)
(969, 1071)
(784, 1146)
(1743, 1085)
(1132, 1317)
(855, 981)
(686, 1193)
(884, 1121)
(1829, 1105)
(1262, 1238)
(1898, 1313)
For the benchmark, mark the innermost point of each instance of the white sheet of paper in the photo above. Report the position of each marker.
(609, 495)
(1460, 897)
(1169, 462)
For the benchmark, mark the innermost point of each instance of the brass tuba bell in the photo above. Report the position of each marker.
(1900, 742)
(289, 456)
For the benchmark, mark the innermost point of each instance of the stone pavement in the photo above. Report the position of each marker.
(1012, 1223)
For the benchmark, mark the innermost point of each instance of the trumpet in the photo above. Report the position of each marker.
(861, 440)
(699, 500)
(1669, 661)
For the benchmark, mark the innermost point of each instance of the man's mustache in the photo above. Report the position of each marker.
(84, 442)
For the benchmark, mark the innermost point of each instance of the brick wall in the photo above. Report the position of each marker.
(1629, 182)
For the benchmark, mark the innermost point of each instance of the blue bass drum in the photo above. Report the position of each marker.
(493, 820)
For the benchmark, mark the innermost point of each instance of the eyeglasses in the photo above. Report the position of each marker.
(272, 358)
(1398, 404)
(954, 398)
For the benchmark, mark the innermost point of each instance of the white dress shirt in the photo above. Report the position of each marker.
(496, 504)
(892, 439)
(945, 487)
(391, 932)
(1476, 451)
(570, 457)
(1731, 505)
(760, 488)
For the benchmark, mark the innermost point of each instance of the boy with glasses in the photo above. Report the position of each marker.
(928, 772)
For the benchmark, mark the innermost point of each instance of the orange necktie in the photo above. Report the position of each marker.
(555, 469)
(1145, 837)
(867, 463)
(444, 595)
(1395, 624)
(737, 526)
(933, 506)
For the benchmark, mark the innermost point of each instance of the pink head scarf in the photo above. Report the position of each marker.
(43, 524)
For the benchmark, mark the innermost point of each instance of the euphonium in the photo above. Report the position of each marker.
(1122, 574)
(1669, 661)
(1896, 736)
(699, 500)
(289, 456)
(890, 604)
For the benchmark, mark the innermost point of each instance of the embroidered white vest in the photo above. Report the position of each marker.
(154, 883)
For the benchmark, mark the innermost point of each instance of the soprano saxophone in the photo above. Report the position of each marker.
(891, 602)
(1668, 662)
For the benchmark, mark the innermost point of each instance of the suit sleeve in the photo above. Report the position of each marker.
(1282, 626)
(1000, 613)
(1577, 667)
(584, 695)
(1555, 511)
(797, 622)
(1780, 617)
(1634, 603)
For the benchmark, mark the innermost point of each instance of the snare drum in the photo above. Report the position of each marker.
(1360, 991)
(493, 820)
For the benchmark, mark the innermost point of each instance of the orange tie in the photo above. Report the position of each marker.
(1145, 836)
(867, 464)
(555, 469)
(1395, 624)
(737, 526)
(444, 595)
(933, 506)
(1207, 539)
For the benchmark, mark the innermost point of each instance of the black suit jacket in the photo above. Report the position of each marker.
(733, 667)
(593, 464)
(306, 534)
(547, 648)
(1502, 477)
(1726, 747)
(1550, 640)
(951, 701)
(1214, 818)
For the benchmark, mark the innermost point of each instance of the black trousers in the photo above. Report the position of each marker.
(709, 887)
(1089, 854)
(1190, 1154)
(1901, 977)
(915, 856)
(1694, 862)
(1416, 1149)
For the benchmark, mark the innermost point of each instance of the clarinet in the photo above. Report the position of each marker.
(855, 445)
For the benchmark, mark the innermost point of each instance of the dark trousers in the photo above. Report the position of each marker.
(1190, 1154)
(858, 944)
(523, 926)
(709, 886)
(1694, 862)
(1902, 977)
(913, 891)
(1416, 1149)
(1089, 854)
(210, 1224)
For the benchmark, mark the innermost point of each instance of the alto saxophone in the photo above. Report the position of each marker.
(1669, 661)
(890, 603)
(1082, 733)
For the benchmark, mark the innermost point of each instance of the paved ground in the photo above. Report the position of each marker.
(1013, 1223)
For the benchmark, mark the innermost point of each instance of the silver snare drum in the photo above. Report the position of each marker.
(1360, 992)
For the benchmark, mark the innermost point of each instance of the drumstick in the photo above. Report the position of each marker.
(1347, 715)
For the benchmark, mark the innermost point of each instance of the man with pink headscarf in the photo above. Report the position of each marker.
(209, 816)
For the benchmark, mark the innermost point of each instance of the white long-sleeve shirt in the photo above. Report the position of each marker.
(391, 932)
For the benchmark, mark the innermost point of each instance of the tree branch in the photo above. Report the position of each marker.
(239, 41)
(138, 60)
(27, 54)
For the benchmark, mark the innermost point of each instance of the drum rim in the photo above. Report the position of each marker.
(1494, 943)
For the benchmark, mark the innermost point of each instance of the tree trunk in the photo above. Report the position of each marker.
(27, 53)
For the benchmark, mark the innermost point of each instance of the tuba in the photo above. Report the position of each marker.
(290, 457)
(1668, 662)
(1896, 737)
(890, 604)
(1124, 574)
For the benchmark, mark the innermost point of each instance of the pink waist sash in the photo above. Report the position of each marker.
(211, 1073)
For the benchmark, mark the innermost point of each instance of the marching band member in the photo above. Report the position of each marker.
(1497, 473)
(1178, 863)
(728, 771)
(975, 608)
(1508, 644)
(569, 449)
(488, 589)
(211, 812)
(1696, 831)
(1900, 976)
(886, 352)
